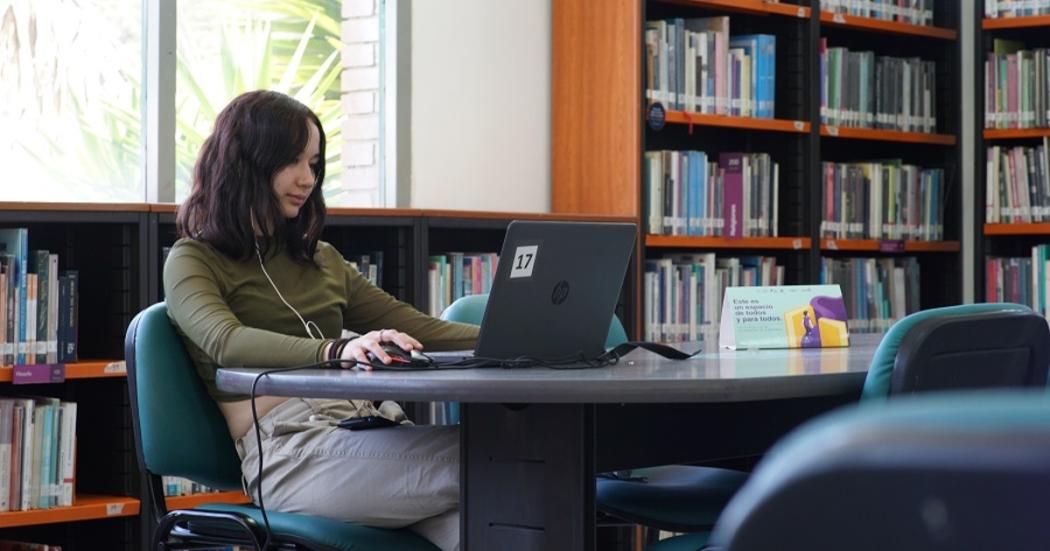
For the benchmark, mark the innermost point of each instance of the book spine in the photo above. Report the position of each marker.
(67, 456)
(733, 195)
(43, 286)
(52, 311)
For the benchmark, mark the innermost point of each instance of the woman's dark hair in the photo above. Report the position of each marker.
(255, 136)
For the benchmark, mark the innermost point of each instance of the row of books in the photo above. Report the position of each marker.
(877, 291)
(38, 304)
(694, 65)
(683, 293)
(690, 194)
(37, 453)
(915, 12)
(455, 275)
(1020, 279)
(862, 90)
(1017, 184)
(883, 200)
(368, 264)
(1017, 86)
(1015, 8)
(179, 486)
(1011, 279)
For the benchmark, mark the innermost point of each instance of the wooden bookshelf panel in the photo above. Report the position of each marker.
(18, 206)
(886, 135)
(1015, 133)
(1017, 229)
(196, 500)
(694, 242)
(85, 507)
(876, 245)
(1033, 21)
(80, 370)
(879, 26)
(746, 123)
(752, 7)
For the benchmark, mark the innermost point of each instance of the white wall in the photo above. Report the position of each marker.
(480, 104)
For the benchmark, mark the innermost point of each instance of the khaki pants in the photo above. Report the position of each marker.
(389, 478)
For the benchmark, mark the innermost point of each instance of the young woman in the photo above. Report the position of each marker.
(249, 283)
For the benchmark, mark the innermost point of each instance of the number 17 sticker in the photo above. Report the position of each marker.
(524, 261)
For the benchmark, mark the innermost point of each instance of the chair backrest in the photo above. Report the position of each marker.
(878, 383)
(987, 350)
(956, 470)
(178, 428)
(471, 309)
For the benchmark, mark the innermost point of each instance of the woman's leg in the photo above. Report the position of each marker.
(392, 477)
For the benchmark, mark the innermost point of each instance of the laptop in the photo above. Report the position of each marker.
(555, 290)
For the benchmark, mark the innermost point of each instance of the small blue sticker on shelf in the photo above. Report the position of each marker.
(38, 374)
(657, 116)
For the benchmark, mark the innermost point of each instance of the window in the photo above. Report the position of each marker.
(71, 90)
(70, 101)
(323, 52)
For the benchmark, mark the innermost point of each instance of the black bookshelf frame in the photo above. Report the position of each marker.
(984, 245)
(800, 203)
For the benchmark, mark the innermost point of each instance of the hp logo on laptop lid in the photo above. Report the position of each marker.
(560, 293)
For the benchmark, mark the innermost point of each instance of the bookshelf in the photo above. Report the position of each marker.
(85, 507)
(106, 244)
(118, 250)
(1000, 238)
(196, 500)
(602, 128)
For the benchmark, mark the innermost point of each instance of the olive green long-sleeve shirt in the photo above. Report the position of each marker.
(229, 315)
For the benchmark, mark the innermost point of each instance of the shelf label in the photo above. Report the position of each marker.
(656, 116)
(801, 13)
(796, 244)
(799, 125)
(891, 246)
(115, 367)
(114, 509)
(838, 18)
(833, 131)
(38, 374)
(833, 245)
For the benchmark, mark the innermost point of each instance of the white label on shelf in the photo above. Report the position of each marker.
(833, 245)
(116, 367)
(833, 130)
(114, 509)
(796, 244)
(837, 18)
(800, 13)
(799, 125)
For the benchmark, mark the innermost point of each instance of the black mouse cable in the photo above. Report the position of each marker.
(576, 361)
(258, 433)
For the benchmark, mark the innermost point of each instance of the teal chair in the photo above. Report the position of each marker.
(968, 346)
(667, 498)
(179, 431)
(952, 470)
(471, 309)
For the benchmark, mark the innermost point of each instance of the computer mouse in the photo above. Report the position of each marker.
(397, 355)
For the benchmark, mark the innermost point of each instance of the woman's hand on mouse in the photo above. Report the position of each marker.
(373, 341)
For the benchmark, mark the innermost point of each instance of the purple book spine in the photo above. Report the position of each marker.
(733, 195)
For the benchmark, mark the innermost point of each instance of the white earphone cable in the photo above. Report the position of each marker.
(306, 324)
